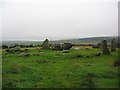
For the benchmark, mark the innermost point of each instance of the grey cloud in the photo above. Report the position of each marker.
(62, 19)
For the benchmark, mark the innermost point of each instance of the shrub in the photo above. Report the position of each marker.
(4, 47)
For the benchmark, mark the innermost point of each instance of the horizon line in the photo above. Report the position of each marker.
(56, 39)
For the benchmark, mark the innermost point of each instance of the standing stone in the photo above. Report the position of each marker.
(66, 46)
(104, 47)
(57, 46)
(46, 44)
(113, 46)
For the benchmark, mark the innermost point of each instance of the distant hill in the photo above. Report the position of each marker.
(89, 40)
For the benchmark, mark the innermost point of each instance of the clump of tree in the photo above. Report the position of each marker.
(113, 45)
(104, 47)
(16, 45)
(4, 46)
(15, 49)
(26, 46)
(46, 44)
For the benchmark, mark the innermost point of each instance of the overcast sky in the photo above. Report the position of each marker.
(57, 19)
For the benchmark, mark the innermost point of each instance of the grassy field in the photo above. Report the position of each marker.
(55, 69)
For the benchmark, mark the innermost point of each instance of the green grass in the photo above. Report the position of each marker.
(54, 69)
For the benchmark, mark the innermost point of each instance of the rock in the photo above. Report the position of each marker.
(65, 51)
(46, 44)
(35, 54)
(15, 49)
(24, 54)
(76, 48)
(113, 45)
(57, 47)
(66, 46)
(104, 47)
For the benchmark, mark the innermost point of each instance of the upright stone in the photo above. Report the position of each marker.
(46, 44)
(104, 47)
(57, 46)
(67, 46)
(113, 46)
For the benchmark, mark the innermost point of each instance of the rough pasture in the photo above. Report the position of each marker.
(55, 69)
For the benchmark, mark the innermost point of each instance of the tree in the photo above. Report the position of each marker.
(4, 46)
